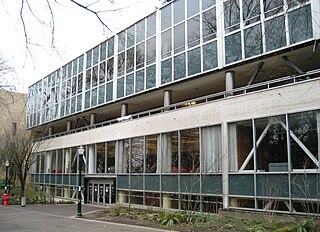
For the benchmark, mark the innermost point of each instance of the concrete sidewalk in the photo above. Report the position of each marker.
(58, 218)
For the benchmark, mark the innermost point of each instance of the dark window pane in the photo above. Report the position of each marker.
(101, 94)
(194, 61)
(130, 36)
(102, 72)
(151, 153)
(233, 47)
(79, 102)
(275, 33)
(88, 79)
(179, 66)
(130, 60)
(210, 56)
(89, 60)
(110, 69)
(95, 76)
(151, 50)
(151, 25)
(166, 16)
(253, 41)
(103, 51)
(120, 87)
(192, 7)
(74, 67)
(121, 41)
(95, 55)
(166, 71)
(140, 31)
(179, 38)
(94, 95)
(193, 31)
(109, 92)
(272, 7)
(231, 15)
(208, 3)
(166, 44)
(80, 82)
(139, 81)
(121, 64)
(209, 25)
(129, 84)
(251, 11)
(80, 69)
(87, 100)
(178, 10)
(300, 24)
(151, 77)
(110, 47)
(140, 55)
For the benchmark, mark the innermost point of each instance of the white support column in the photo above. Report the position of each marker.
(230, 81)
(167, 98)
(91, 160)
(67, 164)
(318, 133)
(225, 166)
(48, 162)
(166, 201)
(69, 125)
(92, 119)
(50, 130)
(124, 110)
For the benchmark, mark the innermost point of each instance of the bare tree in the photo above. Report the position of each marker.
(5, 69)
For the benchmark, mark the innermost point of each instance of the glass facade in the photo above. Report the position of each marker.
(178, 41)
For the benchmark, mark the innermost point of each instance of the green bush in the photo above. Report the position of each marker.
(170, 219)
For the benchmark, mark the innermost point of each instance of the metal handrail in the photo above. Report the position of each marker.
(283, 81)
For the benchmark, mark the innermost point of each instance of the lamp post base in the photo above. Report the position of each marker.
(79, 215)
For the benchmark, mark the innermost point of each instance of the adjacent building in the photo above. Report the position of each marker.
(201, 105)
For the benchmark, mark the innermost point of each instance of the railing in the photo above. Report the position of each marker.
(314, 74)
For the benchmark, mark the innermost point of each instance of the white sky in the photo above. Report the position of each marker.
(76, 31)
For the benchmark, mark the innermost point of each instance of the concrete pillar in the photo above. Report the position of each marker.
(124, 110)
(92, 119)
(166, 201)
(121, 197)
(48, 162)
(50, 130)
(67, 164)
(69, 125)
(91, 159)
(230, 81)
(225, 166)
(48, 193)
(66, 193)
(167, 98)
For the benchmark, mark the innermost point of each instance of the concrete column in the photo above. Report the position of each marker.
(122, 197)
(67, 164)
(50, 130)
(233, 202)
(69, 125)
(48, 162)
(166, 201)
(48, 193)
(92, 119)
(66, 192)
(225, 166)
(91, 160)
(124, 110)
(230, 81)
(318, 133)
(167, 98)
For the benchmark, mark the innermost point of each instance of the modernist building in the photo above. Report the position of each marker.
(201, 105)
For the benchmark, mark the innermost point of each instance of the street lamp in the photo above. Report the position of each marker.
(80, 152)
(7, 166)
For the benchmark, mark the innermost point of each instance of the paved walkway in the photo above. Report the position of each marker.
(57, 218)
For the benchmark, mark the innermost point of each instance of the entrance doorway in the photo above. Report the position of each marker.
(101, 192)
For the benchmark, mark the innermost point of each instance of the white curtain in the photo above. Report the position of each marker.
(232, 148)
(119, 157)
(159, 161)
(211, 149)
(166, 153)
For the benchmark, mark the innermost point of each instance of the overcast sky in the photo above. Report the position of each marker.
(76, 31)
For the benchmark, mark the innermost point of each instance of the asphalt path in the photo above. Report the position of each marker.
(58, 218)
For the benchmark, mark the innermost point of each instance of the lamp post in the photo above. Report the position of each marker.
(80, 152)
(5, 187)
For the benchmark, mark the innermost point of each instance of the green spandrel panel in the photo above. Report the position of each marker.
(47, 178)
(152, 183)
(212, 184)
(136, 182)
(123, 181)
(190, 183)
(272, 185)
(53, 179)
(66, 179)
(41, 178)
(59, 179)
(305, 186)
(241, 184)
(73, 179)
(169, 183)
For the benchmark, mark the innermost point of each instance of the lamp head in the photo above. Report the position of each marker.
(7, 163)
(81, 150)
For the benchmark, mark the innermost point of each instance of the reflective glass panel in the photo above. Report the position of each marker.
(233, 47)
(110, 47)
(208, 3)
(209, 27)
(275, 33)
(166, 71)
(151, 25)
(130, 36)
(194, 61)
(166, 16)
(151, 50)
(140, 31)
(151, 77)
(179, 66)
(210, 56)
(130, 60)
(300, 24)
(253, 41)
(231, 15)
(120, 87)
(140, 81)
(109, 92)
(121, 41)
(129, 84)
(193, 31)
(192, 7)
(140, 55)
(178, 10)
(166, 44)
(179, 38)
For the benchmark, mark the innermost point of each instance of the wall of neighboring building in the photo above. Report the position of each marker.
(13, 112)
